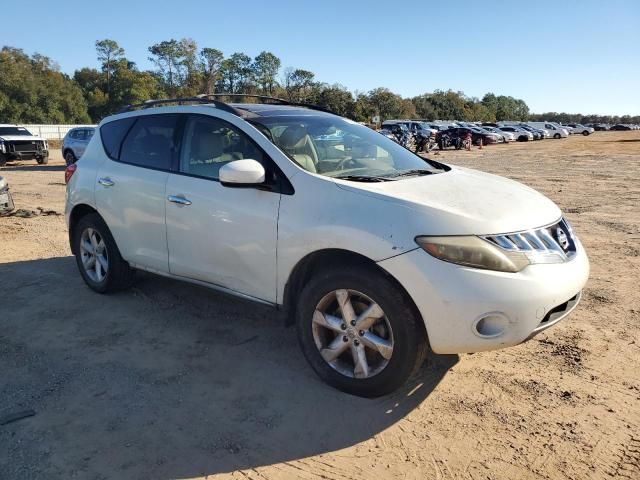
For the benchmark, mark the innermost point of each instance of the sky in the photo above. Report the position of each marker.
(557, 55)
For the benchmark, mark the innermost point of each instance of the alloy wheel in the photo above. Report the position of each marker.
(352, 334)
(93, 252)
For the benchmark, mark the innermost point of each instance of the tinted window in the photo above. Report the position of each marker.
(112, 134)
(89, 133)
(151, 142)
(210, 143)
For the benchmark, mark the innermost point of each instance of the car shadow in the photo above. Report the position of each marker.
(32, 168)
(166, 380)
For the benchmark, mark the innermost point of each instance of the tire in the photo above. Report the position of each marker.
(3, 160)
(585, 133)
(42, 161)
(69, 157)
(557, 136)
(117, 275)
(408, 338)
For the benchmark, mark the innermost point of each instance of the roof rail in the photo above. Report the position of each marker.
(181, 101)
(280, 101)
(209, 99)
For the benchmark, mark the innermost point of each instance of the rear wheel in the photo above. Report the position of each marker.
(359, 332)
(585, 133)
(556, 136)
(98, 258)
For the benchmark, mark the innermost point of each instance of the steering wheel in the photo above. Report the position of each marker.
(343, 162)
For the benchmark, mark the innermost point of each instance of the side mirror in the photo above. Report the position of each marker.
(240, 173)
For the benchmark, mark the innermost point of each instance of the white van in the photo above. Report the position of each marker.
(555, 130)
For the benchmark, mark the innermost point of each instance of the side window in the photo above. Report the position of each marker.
(210, 143)
(112, 134)
(151, 142)
(73, 134)
(89, 133)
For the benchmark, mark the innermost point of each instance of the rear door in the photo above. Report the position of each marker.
(219, 234)
(130, 189)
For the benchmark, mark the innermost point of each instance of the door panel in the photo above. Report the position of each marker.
(226, 236)
(217, 234)
(134, 209)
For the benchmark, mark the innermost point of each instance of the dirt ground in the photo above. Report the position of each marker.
(169, 380)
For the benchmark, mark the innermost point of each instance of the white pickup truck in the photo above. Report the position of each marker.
(17, 143)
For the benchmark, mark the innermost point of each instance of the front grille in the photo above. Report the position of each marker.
(26, 146)
(553, 244)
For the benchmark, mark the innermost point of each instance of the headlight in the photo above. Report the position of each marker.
(2, 147)
(3, 183)
(473, 252)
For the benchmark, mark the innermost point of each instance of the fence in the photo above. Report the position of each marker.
(52, 132)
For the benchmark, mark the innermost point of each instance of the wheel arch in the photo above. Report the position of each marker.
(77, 213)
(319, 260)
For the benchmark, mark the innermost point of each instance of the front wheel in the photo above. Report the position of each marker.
(585, 133)
(359, 332)
(556, 136)
(102, 267)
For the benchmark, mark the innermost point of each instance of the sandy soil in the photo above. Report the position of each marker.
(174, 381)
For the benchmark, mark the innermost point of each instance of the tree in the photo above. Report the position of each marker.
(296, 83)
(236, 74)
(32, 90)
(211, 60)
(108, 52)
(388, 105)
(167, 56)
(265, 69)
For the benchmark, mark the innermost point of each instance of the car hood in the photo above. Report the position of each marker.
(463, 202)
(11, 138)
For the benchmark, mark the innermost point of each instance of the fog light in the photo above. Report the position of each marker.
(490, 325)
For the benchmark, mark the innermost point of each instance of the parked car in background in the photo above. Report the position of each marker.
(6, 201)
(537, 133)
(397, 132)
(620, 127)
(377, 255)
(75, 142)
(577, 128)
(599, 127)
(506, 136)
(18, 143)
(484, 137)
(520, 133)
(555, 129)
(457, 135)
(417, 127)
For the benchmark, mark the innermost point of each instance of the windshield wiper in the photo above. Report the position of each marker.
(411, 173)
(363, 178)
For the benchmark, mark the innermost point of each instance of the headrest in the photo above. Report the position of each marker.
(292, 137)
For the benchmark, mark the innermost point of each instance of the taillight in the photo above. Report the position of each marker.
(69, 171)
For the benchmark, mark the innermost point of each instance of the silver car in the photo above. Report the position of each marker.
(75, 142)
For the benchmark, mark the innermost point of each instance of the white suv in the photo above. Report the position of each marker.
(377, 254)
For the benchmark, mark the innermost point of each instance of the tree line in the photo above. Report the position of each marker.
(33, 90)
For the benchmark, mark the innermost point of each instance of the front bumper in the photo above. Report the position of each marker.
(6, 201)
(28, 155)
(453, 299)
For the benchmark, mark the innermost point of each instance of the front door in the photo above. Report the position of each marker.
(217, 234)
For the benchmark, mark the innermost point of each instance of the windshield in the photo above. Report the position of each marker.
(14, 131)
(336, 147)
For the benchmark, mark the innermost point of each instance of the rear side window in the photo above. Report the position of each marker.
(112, 134)
(151, 142)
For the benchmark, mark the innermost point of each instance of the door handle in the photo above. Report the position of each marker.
(179, 199)
(106, 182)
